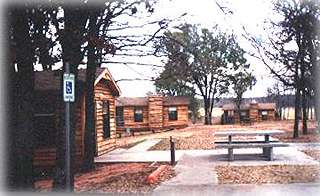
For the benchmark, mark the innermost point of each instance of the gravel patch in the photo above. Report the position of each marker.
(312, 136)
(198, 136)
(189, 143)
(115, 178)
(130, 145)
(313, 153)
(279, 174)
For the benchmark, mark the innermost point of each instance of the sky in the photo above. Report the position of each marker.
(249, 13)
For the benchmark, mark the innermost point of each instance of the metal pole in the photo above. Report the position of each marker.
(67, 137)
(172, 150)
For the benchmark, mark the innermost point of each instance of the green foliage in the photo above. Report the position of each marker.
(241, 82)
(201, 61)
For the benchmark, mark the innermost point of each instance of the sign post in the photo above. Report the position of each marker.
(68, 96)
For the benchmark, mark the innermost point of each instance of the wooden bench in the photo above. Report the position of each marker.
(267, 147)
(265, 144)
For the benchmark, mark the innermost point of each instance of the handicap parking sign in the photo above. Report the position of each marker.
(68, 88)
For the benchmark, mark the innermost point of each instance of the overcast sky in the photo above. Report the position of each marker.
(250, 13)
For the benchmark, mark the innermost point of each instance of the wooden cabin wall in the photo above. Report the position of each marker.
(255, 115)
(254, 112)
(46, 156)
(104, 145)
(270, 116)
(155, 104)
(182, 121)
(236, 116)
(128, 117)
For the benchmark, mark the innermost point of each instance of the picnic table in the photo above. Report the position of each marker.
(265, 144)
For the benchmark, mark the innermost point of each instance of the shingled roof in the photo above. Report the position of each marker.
(143, 101)
(51, 80)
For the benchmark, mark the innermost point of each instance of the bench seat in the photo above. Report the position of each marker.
(241, 144)
(266, 146)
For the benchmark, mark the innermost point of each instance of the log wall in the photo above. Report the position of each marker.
(253, 112)
(128, 117)
(182, 121)
(46, 156)
(104, 145)
(155, 112)
(270, 116)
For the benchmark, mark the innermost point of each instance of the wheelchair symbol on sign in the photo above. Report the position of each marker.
(68, 87)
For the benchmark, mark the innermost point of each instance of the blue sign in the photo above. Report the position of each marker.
(68, 88)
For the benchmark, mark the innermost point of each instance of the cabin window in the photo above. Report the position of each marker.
(106, 118)
(45, 129)
(244, 115)
(230, 113)
(264, 115)
(119, 116)
(173, 114)
(138, 115)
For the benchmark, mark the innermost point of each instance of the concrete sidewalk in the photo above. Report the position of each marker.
(296, 189)
(141, 156)
(144, 146)
(282, 156)
(196, 174)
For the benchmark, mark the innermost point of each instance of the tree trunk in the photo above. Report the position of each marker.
(239, 114)
(304, 113)
(296, 114)
(90, 132)
(21, 129)
(208, 112)
(317, 105)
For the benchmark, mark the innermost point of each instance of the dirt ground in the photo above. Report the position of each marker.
(202, 136)
(280, 174)
(112, 178)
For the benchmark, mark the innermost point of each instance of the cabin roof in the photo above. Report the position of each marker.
(51, 80)
(132, 101)
(143, 101)
(177, 100)
(246, 106)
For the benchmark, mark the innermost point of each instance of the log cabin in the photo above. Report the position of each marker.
(49, 107)
(249, 112)
(151, 113)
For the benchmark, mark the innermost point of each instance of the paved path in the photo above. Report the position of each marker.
(143, 156)
(296, 189)
(144, 146)
(196, 174)
(306, 145)
(282, 156)
(193, 170)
